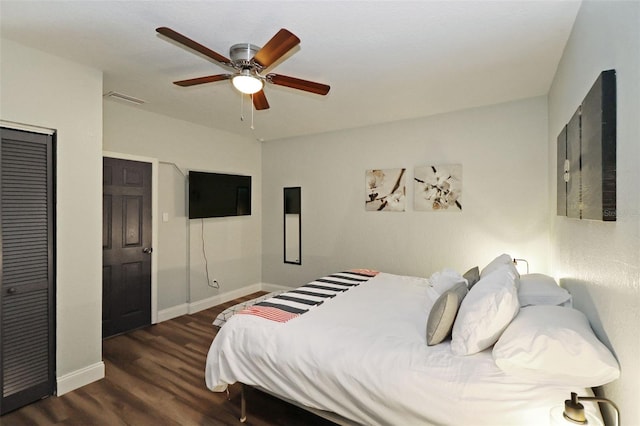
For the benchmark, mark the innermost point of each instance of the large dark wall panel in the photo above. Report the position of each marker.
(599, 149)
(588, 141)
(27, 293)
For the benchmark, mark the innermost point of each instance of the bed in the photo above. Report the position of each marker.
(361, 351)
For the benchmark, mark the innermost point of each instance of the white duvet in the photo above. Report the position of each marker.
(363, 355)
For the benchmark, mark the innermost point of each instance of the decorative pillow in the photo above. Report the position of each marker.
(503, 259)
(443, 313)
(472, 276)
(555, 345)
(486, 311)
(540, 289)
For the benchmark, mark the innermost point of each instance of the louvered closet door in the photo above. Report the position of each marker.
(27, 290)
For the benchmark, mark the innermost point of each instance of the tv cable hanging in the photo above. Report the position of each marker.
(210, 282)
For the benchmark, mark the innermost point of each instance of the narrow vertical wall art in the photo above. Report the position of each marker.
(437, 188)
(385, 190)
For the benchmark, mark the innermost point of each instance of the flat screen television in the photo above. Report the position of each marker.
(218, 195)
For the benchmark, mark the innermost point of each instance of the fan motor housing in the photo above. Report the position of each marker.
(242, 53)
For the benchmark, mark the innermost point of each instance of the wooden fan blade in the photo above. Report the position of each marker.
(260, 101)
(297, 83)
(194, 45)
(275, 48)
(202, 80)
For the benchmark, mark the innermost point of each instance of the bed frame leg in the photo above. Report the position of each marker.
(243, 405)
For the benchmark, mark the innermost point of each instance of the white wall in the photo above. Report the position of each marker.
(43, 90)
(232, 244)
(600, 262)
(504, 154)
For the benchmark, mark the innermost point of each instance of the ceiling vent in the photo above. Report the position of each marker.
(123, 97)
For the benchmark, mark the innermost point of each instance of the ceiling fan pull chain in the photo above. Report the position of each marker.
(252, 109)
(241, 107)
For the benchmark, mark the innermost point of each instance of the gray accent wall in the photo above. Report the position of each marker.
(503, 151)
(599, 262)
(232, 244)
(42, 90)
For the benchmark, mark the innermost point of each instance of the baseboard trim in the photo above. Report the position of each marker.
(274, 287)
(210, 302)
(173, 312)
(200, 305)
(79, 378)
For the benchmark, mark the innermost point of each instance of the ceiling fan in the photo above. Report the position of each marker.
(248, 62)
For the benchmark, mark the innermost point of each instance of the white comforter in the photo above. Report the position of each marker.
(363, 355)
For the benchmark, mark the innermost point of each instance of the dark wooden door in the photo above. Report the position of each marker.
(27, 277)
(126, 246)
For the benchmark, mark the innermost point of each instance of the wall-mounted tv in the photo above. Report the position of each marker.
(218, 195)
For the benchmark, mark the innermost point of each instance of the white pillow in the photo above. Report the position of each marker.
(444, 280)
(485, 312)
(498, 262)
(540, 289)
(555, 345)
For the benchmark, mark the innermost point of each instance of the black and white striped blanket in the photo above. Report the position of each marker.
(293, 303)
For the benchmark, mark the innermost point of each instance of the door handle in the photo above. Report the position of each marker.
(147, 250)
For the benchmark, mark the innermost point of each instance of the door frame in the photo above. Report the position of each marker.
(154, 222)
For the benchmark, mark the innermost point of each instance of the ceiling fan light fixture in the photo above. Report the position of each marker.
(248, 62)
(247, 83)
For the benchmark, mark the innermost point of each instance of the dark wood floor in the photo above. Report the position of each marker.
(155, 376)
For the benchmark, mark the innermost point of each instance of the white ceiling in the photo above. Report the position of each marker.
(385, 60)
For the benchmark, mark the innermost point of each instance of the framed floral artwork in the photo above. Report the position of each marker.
(437, 188)
(385, 190)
